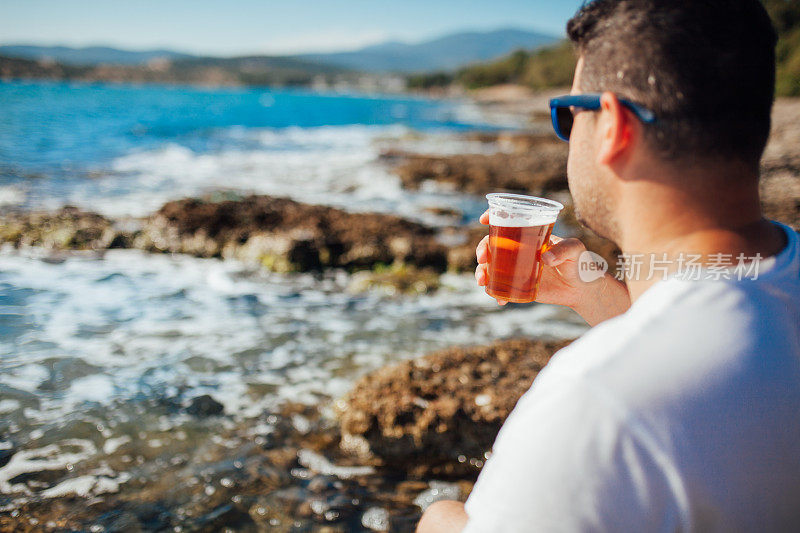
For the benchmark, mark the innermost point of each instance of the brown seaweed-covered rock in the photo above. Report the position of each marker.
(461, 255)
(287, 235)
(519, 142)
(780, 167)
(439, 414)
(68, 228)
(780, 198)
(539, 168)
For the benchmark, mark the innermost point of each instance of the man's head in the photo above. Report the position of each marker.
(706, 68)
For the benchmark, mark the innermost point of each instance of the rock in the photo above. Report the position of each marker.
(441, 211)
(540, 167)
(120, 521)
(322, 483)
(224, 516)
(7, 451)
(439, 414)
(395, 279)
(276, 233)
(461, 257)
(205, 405)
(68, 228)
(285, 235)
(780, 197)
(780, 166)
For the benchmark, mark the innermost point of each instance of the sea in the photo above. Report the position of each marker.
(88, 343)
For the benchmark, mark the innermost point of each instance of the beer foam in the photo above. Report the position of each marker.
(517, 220)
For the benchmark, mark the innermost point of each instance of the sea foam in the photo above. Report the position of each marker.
(333, 165)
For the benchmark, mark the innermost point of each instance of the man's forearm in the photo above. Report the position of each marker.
(443, 517)
(608, 298)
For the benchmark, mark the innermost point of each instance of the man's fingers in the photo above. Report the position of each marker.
(481, 275)
(563, 250)
(482, 250)
(485, 217)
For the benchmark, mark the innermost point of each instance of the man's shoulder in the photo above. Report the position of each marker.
(640, 328)
(696, 341)
(679, 321)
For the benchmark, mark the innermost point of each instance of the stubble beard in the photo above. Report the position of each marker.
(593, 209)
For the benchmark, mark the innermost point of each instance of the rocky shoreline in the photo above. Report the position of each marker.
(526, 163)
(278, 234)
(404, 435)
(429, 424)
(437, 416)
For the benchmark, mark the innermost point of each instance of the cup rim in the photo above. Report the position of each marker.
(526, 202)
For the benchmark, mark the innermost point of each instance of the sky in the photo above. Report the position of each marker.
(268, 27)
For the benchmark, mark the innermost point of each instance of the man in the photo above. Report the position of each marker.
(680, 409)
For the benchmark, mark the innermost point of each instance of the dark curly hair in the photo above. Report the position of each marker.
(706, 68)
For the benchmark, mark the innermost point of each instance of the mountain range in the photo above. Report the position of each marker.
(444, 53)
(90, 55)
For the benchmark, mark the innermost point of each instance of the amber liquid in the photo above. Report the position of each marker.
(515, 266)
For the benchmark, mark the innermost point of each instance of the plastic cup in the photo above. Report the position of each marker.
(519, 232)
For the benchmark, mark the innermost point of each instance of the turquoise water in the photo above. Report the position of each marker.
(77, 126)
(125, 150)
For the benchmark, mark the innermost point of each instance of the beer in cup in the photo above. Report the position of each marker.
(519, 232)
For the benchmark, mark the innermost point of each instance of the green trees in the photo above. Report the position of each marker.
(786, 17)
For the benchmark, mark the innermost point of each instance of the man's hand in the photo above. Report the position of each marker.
(560, 284)
(443, 517)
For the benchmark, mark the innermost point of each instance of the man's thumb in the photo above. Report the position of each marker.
(563, 250)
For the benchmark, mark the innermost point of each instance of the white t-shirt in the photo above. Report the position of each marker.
(683, 414)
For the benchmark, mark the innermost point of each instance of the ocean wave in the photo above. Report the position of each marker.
(332, 165)
(132, 325)
(12, 195)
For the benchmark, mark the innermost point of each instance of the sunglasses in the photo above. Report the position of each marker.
(561, 111)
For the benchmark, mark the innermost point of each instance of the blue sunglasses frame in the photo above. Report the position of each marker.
(589, 102)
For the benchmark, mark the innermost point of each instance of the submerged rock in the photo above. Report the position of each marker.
(7, 451)
(439, 414)
(204, 406)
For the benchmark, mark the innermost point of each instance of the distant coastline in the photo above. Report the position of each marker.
(206, 72)
(384, 67)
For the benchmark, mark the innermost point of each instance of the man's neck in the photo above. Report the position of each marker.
(660, 221)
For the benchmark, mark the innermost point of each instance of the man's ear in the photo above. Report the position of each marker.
(616, 128)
